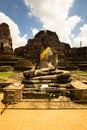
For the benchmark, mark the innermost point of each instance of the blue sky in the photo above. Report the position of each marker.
(26, 17)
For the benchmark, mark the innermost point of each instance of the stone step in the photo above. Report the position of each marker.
(46, 81)
(65, 85)
(31, 89)
(50, 77)
(46, 89)
(35, 95)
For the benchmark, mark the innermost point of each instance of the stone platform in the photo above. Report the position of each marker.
(12, 93)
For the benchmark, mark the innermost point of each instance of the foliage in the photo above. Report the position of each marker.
(80, 72)
(51, 95)
(6, 74)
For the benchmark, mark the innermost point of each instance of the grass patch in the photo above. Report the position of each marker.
(80, 72)
(6, 74)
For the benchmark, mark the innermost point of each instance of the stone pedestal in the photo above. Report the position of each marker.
(47, 80)
(13, 93)
(79, 91)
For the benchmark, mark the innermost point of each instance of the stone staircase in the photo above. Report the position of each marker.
(40, 83)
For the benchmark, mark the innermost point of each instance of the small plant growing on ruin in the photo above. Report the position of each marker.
(51, 96)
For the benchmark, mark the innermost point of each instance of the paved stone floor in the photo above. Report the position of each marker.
(43, 120)
(17, 118)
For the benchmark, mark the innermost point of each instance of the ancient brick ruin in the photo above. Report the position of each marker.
(68, 58)
(5, 41)
(48, 72)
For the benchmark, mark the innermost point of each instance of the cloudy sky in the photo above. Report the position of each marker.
(68, 18)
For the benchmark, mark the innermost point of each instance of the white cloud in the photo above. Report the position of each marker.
(34, 31)
(81, 37)
(17, 40)
(54, 14)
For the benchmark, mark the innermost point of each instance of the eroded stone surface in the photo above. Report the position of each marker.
(80, 90)
(5, 41)
(53, 78)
